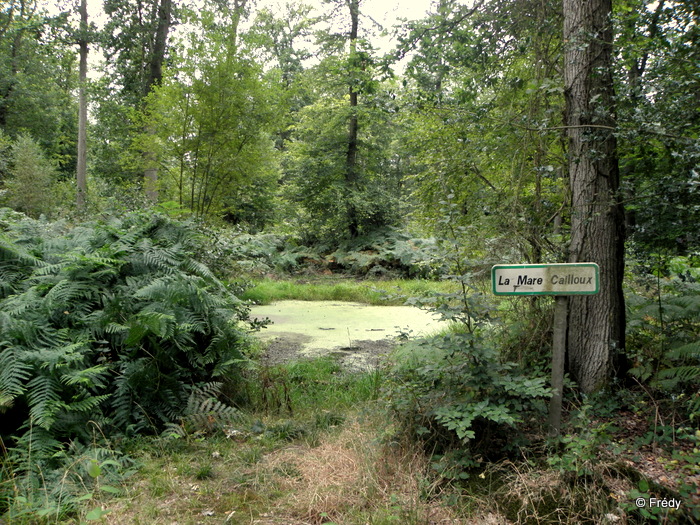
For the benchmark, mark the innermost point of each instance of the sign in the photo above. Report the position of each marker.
(546, 279)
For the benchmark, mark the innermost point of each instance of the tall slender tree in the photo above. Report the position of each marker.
(136, 41)
(351, 175)
(81, 169)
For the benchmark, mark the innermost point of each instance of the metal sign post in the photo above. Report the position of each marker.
(560, 280)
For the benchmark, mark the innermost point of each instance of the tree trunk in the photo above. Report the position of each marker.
(155, 75)
(6, 97)
(81, 170)
(351, 157)
(596, 325)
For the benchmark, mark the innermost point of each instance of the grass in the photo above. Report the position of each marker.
(325, 455)
(303, 388)
(388, 292)
(346, 478)
(317, 446)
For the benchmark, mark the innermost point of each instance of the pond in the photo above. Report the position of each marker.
(358, 334)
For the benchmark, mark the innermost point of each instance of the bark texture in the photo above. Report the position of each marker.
(596, 325)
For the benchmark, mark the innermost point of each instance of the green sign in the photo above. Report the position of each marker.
(546, 279)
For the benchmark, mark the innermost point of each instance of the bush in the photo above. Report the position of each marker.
(388, 252)
(384, 252)
(453, 393)
(114, 323)
(663, 341)
(29, 188)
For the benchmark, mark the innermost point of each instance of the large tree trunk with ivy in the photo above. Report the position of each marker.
(596, 326)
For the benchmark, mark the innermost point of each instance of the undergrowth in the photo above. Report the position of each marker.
(325, 455)
(111, 329)
(385, 253)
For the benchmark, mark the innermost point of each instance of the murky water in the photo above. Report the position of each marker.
(333, 324)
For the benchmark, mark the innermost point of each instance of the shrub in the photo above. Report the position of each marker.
(114, 323)
(384, 252)
(663, 337)
(229, 252)
(387, 252)
(30, 185)
(453, 393)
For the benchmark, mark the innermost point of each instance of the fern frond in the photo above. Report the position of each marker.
(49, 269)
(163, 259)
(14, 373)
(687, 351)
(55, 358)
(88, 404)
(173, 430)
(10, 252)
(158, 323)
(66, 291)
(86, 377)
(206, 413)
(678, 373)
(116, 328)
(17, 305)
(44, 400)
(200, 270)
(36, 442)
(155, 289)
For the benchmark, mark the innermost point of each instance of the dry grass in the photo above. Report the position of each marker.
(530, 495)
(348, 479)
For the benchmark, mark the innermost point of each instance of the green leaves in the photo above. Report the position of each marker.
(454, 391)
(113, 323)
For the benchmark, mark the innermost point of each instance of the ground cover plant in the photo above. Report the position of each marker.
(384, 253)
(312, 447)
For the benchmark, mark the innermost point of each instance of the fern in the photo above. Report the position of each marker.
(14, 374)
(112, 322)
(686, 371)
(205, 413)
(43, 393)
(665, 340)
